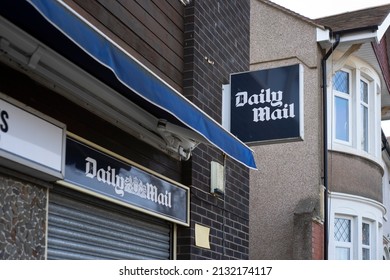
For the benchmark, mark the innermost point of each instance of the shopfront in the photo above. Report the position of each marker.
(98, 204)
(83, 226)
(95, 169)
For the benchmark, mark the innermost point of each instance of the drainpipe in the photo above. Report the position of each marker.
(325, 143)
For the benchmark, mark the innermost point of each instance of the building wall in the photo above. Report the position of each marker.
(355, 175)
(151, 31)
(216, 44)
(277, 35)
(288, 181)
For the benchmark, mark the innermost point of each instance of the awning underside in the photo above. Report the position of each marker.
(60, 29)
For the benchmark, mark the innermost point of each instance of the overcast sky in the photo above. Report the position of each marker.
(320, 8)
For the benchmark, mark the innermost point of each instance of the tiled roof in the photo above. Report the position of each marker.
(361, 19)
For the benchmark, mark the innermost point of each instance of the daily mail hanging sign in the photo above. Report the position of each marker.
(267, 105)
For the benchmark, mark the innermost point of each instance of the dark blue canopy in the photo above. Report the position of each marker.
(61, 29)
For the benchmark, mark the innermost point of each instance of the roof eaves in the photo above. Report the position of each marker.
(350, 36)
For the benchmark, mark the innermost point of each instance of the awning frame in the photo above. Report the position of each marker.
(141, 82)
(92, 94)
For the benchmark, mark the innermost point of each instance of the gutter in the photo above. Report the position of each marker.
(325, 141)
(348, 36)
(368, 29)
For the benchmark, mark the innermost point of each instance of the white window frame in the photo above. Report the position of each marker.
(358, 70)
(367, 246)
(359, 210)
(359, 119)
(343, 244)
(347, 96)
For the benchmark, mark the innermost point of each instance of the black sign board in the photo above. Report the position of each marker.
(266, 105)
(109, 177)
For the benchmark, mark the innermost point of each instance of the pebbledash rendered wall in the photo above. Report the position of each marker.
(22, 218)
(216, 44)
(285, 191)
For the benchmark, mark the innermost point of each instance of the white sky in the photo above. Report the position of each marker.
(386, 128)
(320, 8)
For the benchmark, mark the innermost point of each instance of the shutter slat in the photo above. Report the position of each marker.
(81, 229)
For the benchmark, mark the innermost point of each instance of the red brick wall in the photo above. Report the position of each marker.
(317, 241)
(381, 53)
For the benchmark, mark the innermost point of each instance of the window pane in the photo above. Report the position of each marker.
(364, 114)
(363, 91)
(366, 254)
(342, 253)
(342, 118)
(364, 136)
(366, 234)
(341, 81)
(342, 230)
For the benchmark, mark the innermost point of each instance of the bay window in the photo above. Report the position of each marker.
(345, 232)
(355, 116)
(355, 228)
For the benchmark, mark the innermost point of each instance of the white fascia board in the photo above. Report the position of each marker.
(322, 35)
(383, 28)
(324, 39)
(357, 38)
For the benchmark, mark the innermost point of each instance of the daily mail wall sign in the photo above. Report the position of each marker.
(267, 105)
(94, 171)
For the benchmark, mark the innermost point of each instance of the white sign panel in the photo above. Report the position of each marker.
(31, 140)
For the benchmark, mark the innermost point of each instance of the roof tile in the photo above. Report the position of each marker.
(360, 19)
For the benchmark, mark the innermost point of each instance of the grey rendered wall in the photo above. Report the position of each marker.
(289, 174)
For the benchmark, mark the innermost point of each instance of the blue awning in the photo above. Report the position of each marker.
(94, 52)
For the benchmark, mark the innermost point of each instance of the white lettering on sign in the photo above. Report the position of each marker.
(126, 184)
(276, 109)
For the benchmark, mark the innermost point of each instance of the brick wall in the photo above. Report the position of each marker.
(308, 233)
(317, 241)
(216, 44)
(381, 52)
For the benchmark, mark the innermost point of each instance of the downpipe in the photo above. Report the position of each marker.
(325, 141)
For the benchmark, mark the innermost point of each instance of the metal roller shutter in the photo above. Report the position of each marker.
(83, 227)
